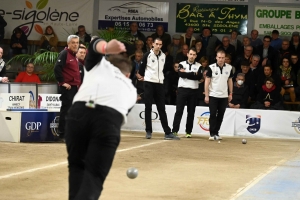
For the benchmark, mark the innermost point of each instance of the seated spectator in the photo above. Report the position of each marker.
(295, 43)
(83, 36)
(199, 50)
(240, 93)
(165, 37)
(201, 93)
(247, 55)
(276, 41)
(235, 42)
(18, 43)
(287, 78)
(284, 51)
(28, 76)
(227, 47)
(188, 38)
(182, 56)
(149, 43)
(3, 78)
(228, 60)
(80, 55)
(268, 98)
(295, 63)
(49, 40)
(174, 48)
(2, 25)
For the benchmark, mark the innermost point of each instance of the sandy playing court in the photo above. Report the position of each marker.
(189, 169)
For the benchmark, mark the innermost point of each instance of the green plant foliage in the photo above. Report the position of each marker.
(121, 35)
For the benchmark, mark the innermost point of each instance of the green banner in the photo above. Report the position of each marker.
(221, 18)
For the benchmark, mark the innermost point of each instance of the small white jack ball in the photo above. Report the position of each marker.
(219, 142)
(132, 172)
(244, 141)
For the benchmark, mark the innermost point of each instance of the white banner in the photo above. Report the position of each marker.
(33, 16)
(283, 19)
(267, 123)
(14, 101)
(279, 1)
(201, 124)
(120, 14)
(49, 101)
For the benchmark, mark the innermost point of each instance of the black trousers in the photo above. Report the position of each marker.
(187, 97)
(92, 137)
(217, 108)
(66, 102)
(156, 92)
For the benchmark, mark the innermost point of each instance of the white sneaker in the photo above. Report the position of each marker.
(211, 138)
(218, 137)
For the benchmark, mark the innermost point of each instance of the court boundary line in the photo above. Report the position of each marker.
(65, 162)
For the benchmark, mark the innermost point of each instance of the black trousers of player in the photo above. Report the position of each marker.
(92, 138)
(186, 96)
(217, 108)
(156, 92)
(66, 102)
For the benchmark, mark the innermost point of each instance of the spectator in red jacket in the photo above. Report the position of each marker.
(28, 76)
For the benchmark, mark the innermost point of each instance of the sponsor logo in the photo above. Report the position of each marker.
(203, 121)
(154, 117)
(132, 8)
(54, 126)
(296, 125)
(253, 123)
(32, 127)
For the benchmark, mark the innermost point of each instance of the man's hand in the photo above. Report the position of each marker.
(267, 104)
(4, 80)
(237, 106)
(67, 86)
(182, 70)
(115, 47)
(231, 105)
(264, 62)
(229, 98)
(206, 100)
(139, 77)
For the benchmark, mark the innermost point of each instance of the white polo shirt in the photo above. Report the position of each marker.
(219, 76)
(185, 82)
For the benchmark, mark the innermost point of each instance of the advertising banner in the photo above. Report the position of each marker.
(14, 101)
(221, 18)
(25, 88)
(119, 14)
(38, 126)
(279, 1)
(283, 19)
(33, 16)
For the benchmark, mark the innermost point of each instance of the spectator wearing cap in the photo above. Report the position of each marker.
(174, 48)
(209, 43)
(276, 41)
(294, 43)
(188, 38)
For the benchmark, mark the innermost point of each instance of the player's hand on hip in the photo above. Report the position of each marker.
(114, 47)
(206, 100)
(229, 98)
(67, 86)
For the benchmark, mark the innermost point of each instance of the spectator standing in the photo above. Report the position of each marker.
(189, 76)
(276, 41)
(151, 72)
(218, 81)
(66, 71)
(254, 39)
(135, 35)
(182, 56)
(174, 48)
(247, 56)
(284, 51)
(80, 55)
(83, 36)
(188, 38)
(3, 78)
(28, 76)
(294, 43)
(269, 56)
(95, 118)
(227, 47)
(240, 93)
(18, 43)
(2, 25)
(49, 40)
(149, 42)
(134, 76)
(235, 42)
(165, 37)
(200, 51)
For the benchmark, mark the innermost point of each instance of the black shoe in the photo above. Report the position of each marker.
(148, 135)
(171, 136)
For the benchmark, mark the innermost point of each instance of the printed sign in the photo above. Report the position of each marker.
(220, 18)
(33, 16)
(119, 14)
(283, 19)
(279, 1)
(14, 101)
(49, 101)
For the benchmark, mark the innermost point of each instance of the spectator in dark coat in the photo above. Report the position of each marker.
(240, 93)
(2, 25)
(268, 55)
(165, 37)
(83, 36)
(268, 98)
(18, 43)
(227, 47)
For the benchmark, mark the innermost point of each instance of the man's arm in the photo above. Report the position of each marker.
(190, 75)
(59, 65)
(144, 64)
(230, 86)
